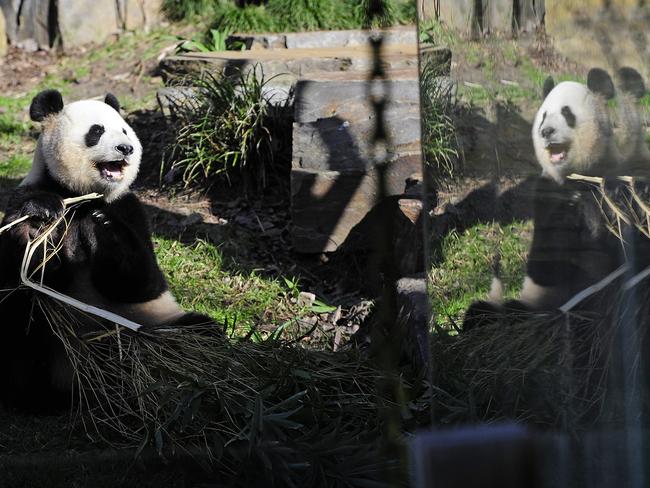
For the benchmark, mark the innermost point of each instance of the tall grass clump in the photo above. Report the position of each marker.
(297, 15)
(292, 15)
(188, 9)
(251, 414)
(438, 129)
(227, 131)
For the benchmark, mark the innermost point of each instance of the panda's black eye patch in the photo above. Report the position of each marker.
(124, 131)
(569, 116)
(94, 134)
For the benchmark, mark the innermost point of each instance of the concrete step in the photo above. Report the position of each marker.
(291, 63)
(324, 39)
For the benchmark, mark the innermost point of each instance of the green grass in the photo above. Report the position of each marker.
(16, 146)
(16, 166)
(437, 34)
(290, 15)
(188, 9)
(197, 278)
(464, 270)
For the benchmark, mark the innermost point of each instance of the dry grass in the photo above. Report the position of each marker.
(236, 403)
(556, 370)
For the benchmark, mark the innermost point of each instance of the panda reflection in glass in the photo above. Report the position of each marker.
(572, 247)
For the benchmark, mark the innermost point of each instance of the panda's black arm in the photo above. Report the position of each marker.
(41, 207)
(124, 266)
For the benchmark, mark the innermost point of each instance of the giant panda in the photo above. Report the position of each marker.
(106, 256)
(571, 247)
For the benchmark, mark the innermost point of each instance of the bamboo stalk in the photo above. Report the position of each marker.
(596, 287)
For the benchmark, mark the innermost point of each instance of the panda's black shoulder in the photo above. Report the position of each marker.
(129, 207)
(127, 201)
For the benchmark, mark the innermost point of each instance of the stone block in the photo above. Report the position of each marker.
(334, 182)
(323, 39)
(334, 123)
(291, 63)
(327, 205)
(413, 308)
(461, 15)
(85, 21)
(9, 9)
(138, 14)
(27, 22)
(498, 16)
(531, 15)
(3, 35)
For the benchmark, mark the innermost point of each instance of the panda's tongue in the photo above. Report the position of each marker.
(557, 152)
(112, 170)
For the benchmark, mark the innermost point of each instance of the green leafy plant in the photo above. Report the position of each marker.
(293, 15)
(297, 15)
(438, 128)
(188, 9)
(216, 42)
(226, 130)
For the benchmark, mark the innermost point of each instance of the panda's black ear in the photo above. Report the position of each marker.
(630, 81)
(112, 101)
(45, 103)
(549, 84)
(599, 81)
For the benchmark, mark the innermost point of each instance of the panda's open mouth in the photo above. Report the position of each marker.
(557, 152)
(111, 170)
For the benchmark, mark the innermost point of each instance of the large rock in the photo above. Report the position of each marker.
(531, 15)
(85, 21)
(138, 14)
(3, 35)
(414, 310)
(28, 23)
(498, 16)
(461, 15)
(8, 8)
(595, 35)
(36, 24)
(334, 184)
(334, 122)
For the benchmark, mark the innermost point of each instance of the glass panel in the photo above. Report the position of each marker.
(535, 139)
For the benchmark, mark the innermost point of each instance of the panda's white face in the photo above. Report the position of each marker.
(88, 147)
(571, 131)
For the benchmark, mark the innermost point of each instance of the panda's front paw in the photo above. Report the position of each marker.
(100, 218)
(42, 207)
